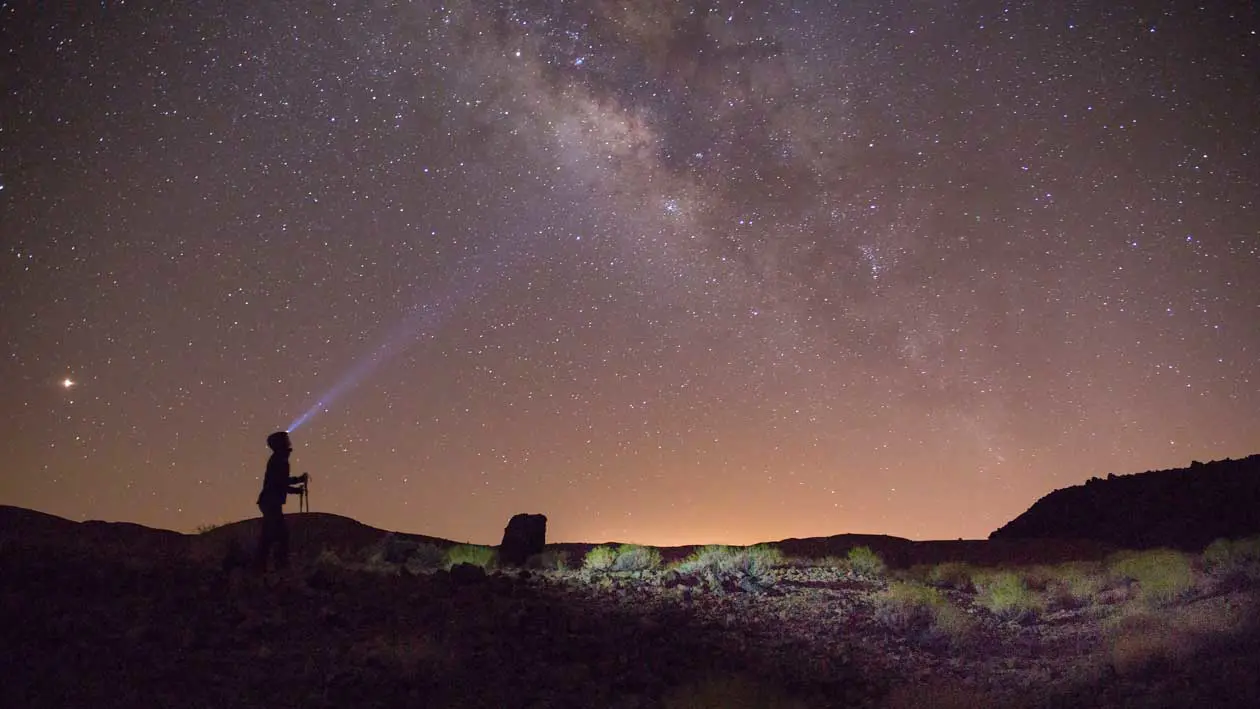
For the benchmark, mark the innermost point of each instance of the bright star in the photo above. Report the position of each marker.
(67, 383)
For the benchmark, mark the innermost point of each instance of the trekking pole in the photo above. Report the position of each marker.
(306, 493)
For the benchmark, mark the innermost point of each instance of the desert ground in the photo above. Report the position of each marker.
(116, 615)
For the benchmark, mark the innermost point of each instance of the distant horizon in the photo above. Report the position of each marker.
(290, 511)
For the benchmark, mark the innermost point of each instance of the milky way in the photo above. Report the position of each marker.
(664, 272)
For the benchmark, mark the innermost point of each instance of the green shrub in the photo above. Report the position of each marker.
(599, 559)
(203, 528)
(954, 624)
(865, 562)
(632, 557)
(1006, 595)
(1162, 575)
(474, 554)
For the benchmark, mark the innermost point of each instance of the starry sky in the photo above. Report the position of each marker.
(666, 272)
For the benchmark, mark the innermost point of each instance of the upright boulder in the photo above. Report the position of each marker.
(524, 536)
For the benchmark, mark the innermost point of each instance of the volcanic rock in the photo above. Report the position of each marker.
(524, 536)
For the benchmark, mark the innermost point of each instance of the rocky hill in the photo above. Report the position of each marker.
(1183, 508)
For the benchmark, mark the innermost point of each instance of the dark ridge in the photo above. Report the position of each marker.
(1183, 508)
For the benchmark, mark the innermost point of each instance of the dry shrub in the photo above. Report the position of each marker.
(1144, 640)
(1162, 575)
(1076, 584)
(951, 574)
(426, 557)
(833, 562)
(1234, 561)
(549, 560)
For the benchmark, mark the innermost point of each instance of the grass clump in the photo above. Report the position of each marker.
(907, 606)
(600, 558)
(1234, 559)
(924, 612)
(1075, 584)
(864, 562)
(474, 554)
(1006, 594)
(632, 557)
(1162, 575)
(951, 574)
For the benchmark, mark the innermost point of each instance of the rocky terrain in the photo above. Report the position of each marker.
(121, 616)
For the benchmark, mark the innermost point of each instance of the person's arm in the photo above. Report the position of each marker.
(296, 483)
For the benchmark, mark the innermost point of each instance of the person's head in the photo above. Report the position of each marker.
(279, 442)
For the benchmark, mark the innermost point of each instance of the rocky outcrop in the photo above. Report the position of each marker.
(1183, 508)
(524, 536)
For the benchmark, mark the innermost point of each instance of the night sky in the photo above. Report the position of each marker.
(665, 272)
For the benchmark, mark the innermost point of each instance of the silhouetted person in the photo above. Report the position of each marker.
(277, 486)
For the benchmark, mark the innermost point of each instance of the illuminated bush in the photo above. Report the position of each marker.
(924, 612)
(474, 554)
(1162, 575)
(1006, 595)
(599, 559)
(754, 561)
(632, 557)
(865, 562)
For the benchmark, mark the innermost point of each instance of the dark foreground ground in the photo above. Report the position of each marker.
(87, 627)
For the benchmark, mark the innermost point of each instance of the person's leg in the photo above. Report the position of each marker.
(267, 538)
(282, 540)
